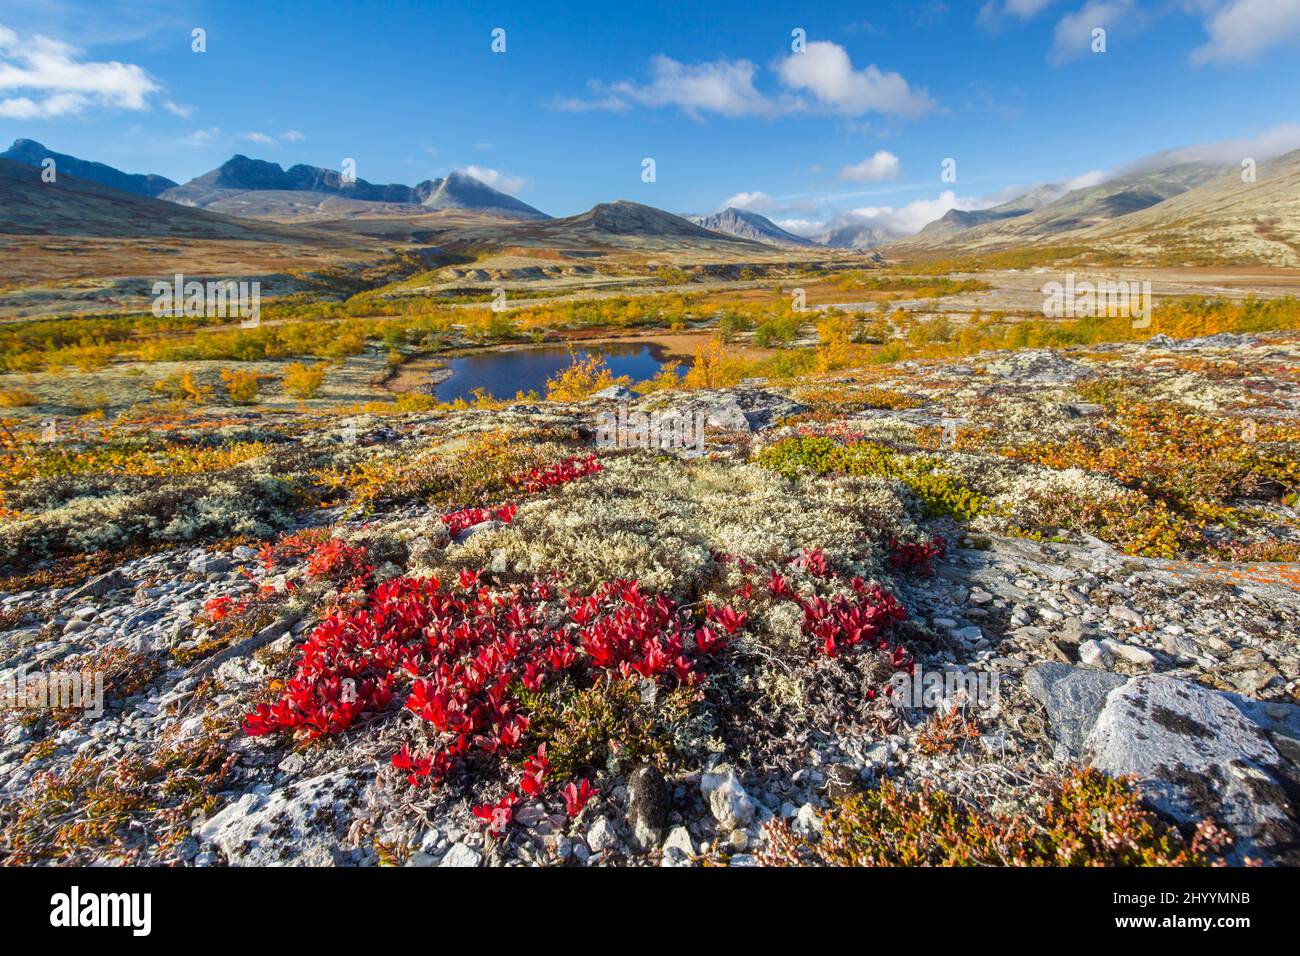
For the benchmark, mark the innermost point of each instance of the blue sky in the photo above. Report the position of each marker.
(853, 127)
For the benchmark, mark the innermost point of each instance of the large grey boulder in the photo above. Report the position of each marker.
(1072, 697)
(1198, 754)
(302, 824)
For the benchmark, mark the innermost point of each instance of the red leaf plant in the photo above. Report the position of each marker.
(576, 796)
(465, 652)
(916, 556)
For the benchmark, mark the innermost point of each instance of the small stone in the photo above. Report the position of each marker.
(1176, 645)
(730, 804)
(679, 838)
(1122, 612)
(1129, 653)
(601, 836)
(739, 840)
(806, 822)
(461, 855)
(1093, 654)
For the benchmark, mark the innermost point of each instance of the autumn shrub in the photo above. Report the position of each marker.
(17, 398)
(588, 729)
(582, 379)
(777, 330)
(490, 466)
(302, 381)
(713, 367)
(940, 491)
(1083, 818)
(183, 387)
(241, 386)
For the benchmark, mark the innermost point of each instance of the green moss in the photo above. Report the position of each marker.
(608, 724)
(941, 492)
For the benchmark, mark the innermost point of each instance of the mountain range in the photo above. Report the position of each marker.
(31, 153)
(1200, 201)
(241, 183)
(746, 224)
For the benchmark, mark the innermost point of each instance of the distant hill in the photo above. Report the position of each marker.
(856, 236)
(627, 224)
(261, 189)
(1224, 219)
(749, 225)
(31, 153)
(71, 206)
(1042, 216)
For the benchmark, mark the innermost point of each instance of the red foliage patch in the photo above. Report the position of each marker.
(916, 556)
(465, 650)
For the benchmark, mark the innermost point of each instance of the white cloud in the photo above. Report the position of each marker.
(261, 139)
(910, 218)
(292, 136)
(203, 137)
(1242, 28)
(178, 109)
(1020, 9)
(1271, 143)
(760, 202)
(497, 179)
(49, 79)
(724, 87)
(801, 227)
(1073, 35)
(883, 165)
(727, 88)
(825, 71)
(994, 14)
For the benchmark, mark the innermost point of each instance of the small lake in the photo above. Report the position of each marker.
(506, 372)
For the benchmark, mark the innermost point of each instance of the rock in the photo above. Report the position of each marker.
(1122, 612)
(1071, 631)
(841, 781)
(730, 805)
(1129, 653)
(679, 838)
(1093, 654)
(806, 822)
(1178, 645)
(602, 836)
(210, 564)
(739, 841)
(1073, 697)
(726, 413)
(618, 393)
(649, 798)
(1196, 754)
(302, 823)
(1042, 366)
(99, 585)
(461, 855)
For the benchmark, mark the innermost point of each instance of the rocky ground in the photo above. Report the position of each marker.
(1165, 650)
